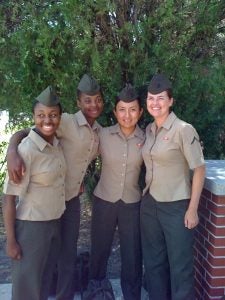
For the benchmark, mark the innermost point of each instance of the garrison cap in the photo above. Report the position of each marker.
(88, 85)
(128, 93)
(48, 97)
(158, 84)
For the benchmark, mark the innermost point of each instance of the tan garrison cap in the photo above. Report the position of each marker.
(158, 84)
(48, 97)
(128, 93)
(88, 85)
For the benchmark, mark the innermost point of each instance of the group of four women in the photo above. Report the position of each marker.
(162, 222)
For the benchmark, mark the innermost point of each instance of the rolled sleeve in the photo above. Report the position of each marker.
(191, 146)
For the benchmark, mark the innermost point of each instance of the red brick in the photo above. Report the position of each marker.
(218, 199)
(198, 287)
(214, 272)
(199, 268)
(198, 277)
(204, 213)
(205, 296)
(215, 251)
(216, 261)
(218, 210)
(201, 239)
(203, 202)
(217, 220)
(218, 231)
(200, 257)
(202, 230)
(201, 248)
(217, 241)
(207, 194)
(202, 220)
(214, 291)
(198, 235)
(216, 281)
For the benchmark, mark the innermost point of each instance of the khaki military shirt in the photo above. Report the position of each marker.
(169, 154)
(80, 146)
(42, 189)
(121, 165)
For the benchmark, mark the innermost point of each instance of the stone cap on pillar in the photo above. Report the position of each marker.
(215, 177)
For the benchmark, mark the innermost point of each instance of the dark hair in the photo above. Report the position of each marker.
(79, 93)
(118, 100)
(35, 102)
(169, 93)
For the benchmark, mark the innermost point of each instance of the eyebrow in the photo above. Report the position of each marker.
(41, 110)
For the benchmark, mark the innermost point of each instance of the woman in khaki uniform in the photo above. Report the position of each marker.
(33, 226)
(78, 135)
(170, 202)
(117, 196)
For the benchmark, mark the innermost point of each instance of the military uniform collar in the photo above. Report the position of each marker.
(82, 121)
(167, 124)
(40, 142)
(116, 129)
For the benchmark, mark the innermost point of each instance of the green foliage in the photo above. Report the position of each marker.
(55, 42)
(2, 164)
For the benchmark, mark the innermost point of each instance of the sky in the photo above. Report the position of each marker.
(3, 121)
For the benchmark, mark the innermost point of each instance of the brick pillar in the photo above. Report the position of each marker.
(210, 235)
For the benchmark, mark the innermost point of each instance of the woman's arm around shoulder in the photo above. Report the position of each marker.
(15, 164)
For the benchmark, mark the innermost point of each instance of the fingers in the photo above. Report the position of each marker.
(13, 250)
(190, 224)
(18, 256)
(17, 174)
(23, 169)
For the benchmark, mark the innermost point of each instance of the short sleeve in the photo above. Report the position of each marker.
(63, 125)
(191, 146)
(11, 188)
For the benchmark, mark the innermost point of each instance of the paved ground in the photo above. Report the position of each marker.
(5, 291)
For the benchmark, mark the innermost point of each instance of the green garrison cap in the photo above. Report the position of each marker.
(48, 97)
(158, 84)
(88, 85)
(128, 93)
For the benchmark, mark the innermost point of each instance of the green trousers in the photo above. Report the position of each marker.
(40, 244)
(106, 217)
(167, 250)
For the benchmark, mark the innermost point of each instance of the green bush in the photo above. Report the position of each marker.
(55, 42)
